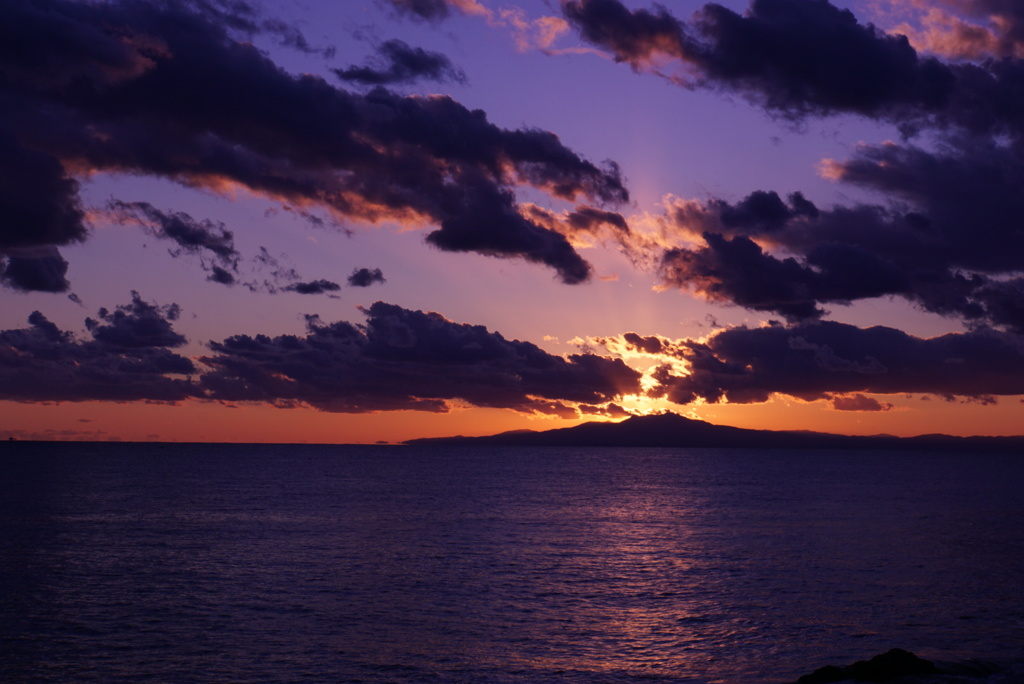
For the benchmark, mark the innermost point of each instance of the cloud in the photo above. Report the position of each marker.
(39, 209)
(137, 325)
(636, 37)
(169, 91)
(532, 34)
(247, 19)
(436, 10)
(528, 34)
(314, 287)
(51, 434)
(408, 360)
(271, 276)
(402, 63)
(796, 57)
(819, 359)
(221, 275)
(961, 242)
(802, 58)
(204, 238)
(508, 233)
(214, 244)
(948, 240)
(945, 238)
(430, 10)
(961, 29)
(610, 411)
(859, 402)
(364, 277)
(191, 235)
(1006, 19)
(39, 203)
(584, 221)
(799, 57)
(128, 358)
(760, 214)
(398, 360)
(34, 269)
(968, 194)
(738, 271)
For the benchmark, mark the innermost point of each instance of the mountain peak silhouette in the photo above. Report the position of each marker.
(670, 429)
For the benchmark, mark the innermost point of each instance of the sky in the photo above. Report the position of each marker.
(359, 222)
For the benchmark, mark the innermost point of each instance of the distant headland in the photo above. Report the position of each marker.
(672, 430)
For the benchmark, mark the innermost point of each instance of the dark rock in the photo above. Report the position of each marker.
(823, 675)
(976, 669)
(882, 668)
(891, 664)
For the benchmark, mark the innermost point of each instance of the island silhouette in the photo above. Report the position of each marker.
(673, 430)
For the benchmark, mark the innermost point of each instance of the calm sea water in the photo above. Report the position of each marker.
(214, 563)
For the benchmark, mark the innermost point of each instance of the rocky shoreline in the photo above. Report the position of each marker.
(903, 667)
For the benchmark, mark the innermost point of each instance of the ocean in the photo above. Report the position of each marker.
(270, 563)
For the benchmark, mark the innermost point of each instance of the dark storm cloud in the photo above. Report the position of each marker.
(164, 90)
(402, 63)
(38, 202)
(761, 213)
(968, 195)
(792, 56)
(508, 233)
(39, 208)
(403, 359)
(801, 58)
(127, 359)
(34, 269)
(247, 19)
(949, 243)
(961, 244)
(815, 360)
(738, 271)
(1002, 303)
(365, 277)
(314, 287)
(632, 36)
(987, 100)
